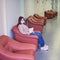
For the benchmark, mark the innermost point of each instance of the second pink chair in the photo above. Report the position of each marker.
(12, 50)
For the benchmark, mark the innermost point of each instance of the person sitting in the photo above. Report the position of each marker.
(25, 30)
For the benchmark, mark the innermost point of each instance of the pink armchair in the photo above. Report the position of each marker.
(37, 24)
(13, 50)
(42, 18)
(32, 39)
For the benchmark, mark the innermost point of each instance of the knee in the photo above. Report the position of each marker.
(40, 34)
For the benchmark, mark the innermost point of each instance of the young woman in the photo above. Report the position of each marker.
(25, 30)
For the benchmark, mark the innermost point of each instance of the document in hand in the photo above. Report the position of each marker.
(31, 30)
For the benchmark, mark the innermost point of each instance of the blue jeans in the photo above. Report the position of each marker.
(40, 38)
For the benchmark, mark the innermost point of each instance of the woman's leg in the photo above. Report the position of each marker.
(40, 40)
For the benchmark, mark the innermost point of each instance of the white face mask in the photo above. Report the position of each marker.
(22, 21)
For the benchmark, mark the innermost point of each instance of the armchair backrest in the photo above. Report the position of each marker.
(18, 33)
(15, 29)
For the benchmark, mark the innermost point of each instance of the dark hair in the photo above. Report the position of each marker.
(19, 20)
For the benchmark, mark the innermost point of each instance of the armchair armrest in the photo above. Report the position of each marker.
(21, 46)
(32, 39)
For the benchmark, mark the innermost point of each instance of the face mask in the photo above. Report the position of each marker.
(22, 21)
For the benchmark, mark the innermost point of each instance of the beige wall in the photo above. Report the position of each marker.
(31, 6)
(10, 10)
(41, 6)
(3, 27)
(1, 22)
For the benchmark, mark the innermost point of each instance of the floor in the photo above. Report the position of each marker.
(51, 34)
